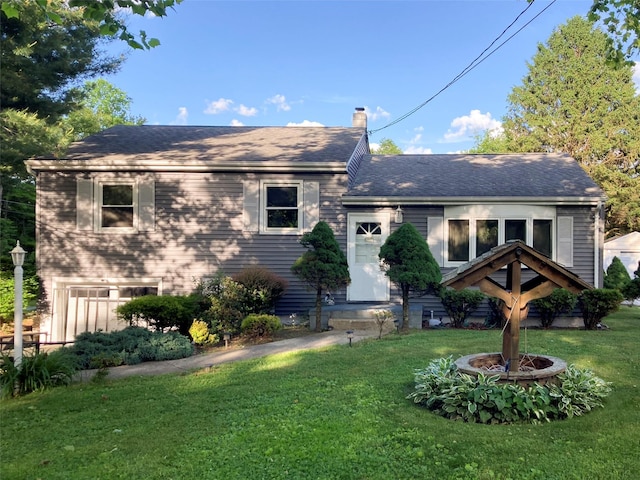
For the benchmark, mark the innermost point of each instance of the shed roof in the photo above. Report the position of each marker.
(473, 176)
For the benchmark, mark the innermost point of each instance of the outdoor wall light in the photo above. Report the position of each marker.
(399, 216)
(227, 338)
(350, 336)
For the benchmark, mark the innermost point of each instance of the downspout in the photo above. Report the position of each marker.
(597, 245)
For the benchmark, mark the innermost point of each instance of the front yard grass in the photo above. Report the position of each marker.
(336, 413)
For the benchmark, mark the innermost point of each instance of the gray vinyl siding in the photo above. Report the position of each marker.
(198, 232)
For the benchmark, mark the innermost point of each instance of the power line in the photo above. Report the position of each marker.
(477, 61)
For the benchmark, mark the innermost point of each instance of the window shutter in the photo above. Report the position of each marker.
(565, 241)
(435, 238)
(84, 204)
(146, 205)
(250, 205)
(311, 205)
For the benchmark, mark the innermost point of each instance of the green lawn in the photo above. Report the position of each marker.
(337, 413)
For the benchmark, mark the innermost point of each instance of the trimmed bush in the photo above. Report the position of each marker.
(264, 288)
(598, 303)
(200, 333)
(229, 300)
(260, 325)
(443, 389)
(161, 313)
(130, 346)
(36, 372)
(459, 304)
(550, 307)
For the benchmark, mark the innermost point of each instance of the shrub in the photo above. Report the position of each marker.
(200, 333)
(550, 307)
(616, 276)
(447, 392)
(129, 346)
(494, 318)
(631, 291)
(162, 313)
(260, 325)
(596, 304)
(264, 288)
(36, 372)
(229, 301)
(459, 304)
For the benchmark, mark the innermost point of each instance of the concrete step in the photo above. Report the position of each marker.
(362, 316)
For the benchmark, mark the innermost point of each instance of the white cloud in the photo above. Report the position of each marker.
(246, 111)
(218, 106)
(280, 102)
(374, 146)
(636, 76)
(377, 114)
(305, 123)
(182, 117)
(469, 125)
(416, 150)
(236, 123)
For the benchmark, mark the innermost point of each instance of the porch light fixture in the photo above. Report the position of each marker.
(399, 217)
(350, 336)
(17, 255)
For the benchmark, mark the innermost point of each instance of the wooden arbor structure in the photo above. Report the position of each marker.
(515, 295)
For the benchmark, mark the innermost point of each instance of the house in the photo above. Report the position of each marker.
(626, 248)
(139, 210)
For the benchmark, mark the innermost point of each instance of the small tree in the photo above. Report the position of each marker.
(323, 265)
(631, 291)
(409, 264)
(598, 303)
(617, 276)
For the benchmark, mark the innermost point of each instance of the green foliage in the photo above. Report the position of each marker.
(598, 303)
(129, 346)
(622, 209)
(229, 301)
(409, 264)
(200, 333)
(550, 307)
(443, 389)
(36, 372)
(30, 289)
(631, 291)
(616, 276)
(260, 325)
(264, 288)
(459, 304)
(621, 18)
(162, 313)
(387, 147)
(323, 266)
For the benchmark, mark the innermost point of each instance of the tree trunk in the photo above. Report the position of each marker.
(405, 308)
(319, 309)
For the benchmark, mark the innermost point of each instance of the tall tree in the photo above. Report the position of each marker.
(102, 105)
(573, 101)
(323, 266)
(387, 147)
(409, 264)
(104, 12)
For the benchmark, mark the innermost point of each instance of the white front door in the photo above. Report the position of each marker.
(366, 234)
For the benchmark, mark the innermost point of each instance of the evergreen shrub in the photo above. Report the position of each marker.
(201, 334)
(459, 304)
(264, 288)
(550, 307)
(260, 325)
(161, 312)
(616, 276)
(598, 303)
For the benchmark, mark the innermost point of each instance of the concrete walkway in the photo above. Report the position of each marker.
(203, 361)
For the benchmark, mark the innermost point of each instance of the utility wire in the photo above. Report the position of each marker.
(477, 61)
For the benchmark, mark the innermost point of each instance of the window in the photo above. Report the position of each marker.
(282, 206)
(117, 206)
(471, 231)
(368, 242)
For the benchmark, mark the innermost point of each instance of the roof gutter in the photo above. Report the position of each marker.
(408, 201)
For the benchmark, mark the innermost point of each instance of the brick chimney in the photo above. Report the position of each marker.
(359, 118)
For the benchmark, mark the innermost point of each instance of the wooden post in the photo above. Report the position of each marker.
(516, 290)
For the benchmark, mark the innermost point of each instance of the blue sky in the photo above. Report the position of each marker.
(312, 62)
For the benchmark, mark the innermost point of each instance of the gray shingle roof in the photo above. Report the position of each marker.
(472, 175)
(218, 144)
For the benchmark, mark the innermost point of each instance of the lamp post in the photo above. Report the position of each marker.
(350, 336)
(17, 255)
